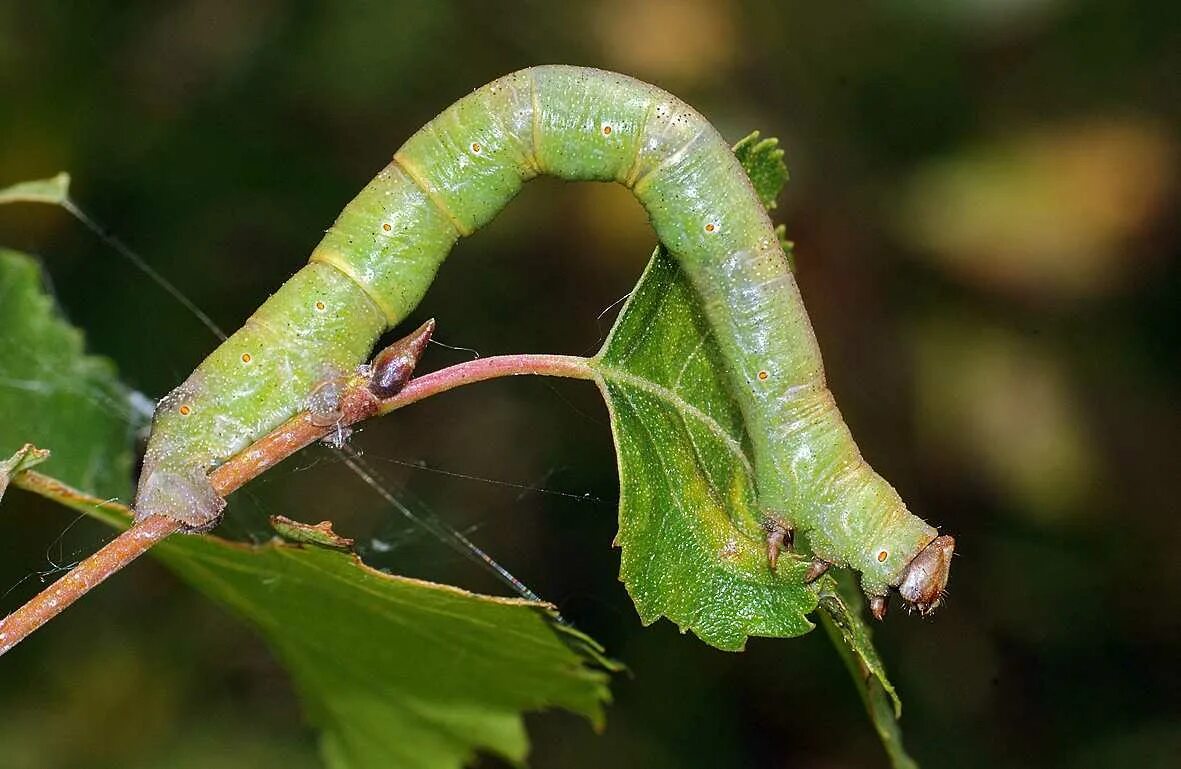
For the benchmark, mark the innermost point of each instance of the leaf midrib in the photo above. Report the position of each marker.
(611, 373)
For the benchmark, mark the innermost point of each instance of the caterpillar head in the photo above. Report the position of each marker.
(926, 575)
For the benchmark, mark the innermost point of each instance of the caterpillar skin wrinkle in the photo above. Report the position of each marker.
(453, 176)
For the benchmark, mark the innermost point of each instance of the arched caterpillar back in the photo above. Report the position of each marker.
(453, 176)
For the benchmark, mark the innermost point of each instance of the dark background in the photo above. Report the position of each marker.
(983, 199)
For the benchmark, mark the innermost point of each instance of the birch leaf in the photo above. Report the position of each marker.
(392, 671)
(53, 393)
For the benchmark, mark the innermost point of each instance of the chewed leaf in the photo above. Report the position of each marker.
(308, 533)
(788, 246)
(763, 161)
(54, 191)
(842, 613)
(53, 393)
(27, 456)
(392, 671)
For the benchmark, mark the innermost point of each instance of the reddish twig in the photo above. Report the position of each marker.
(481, 369)
(113, 556)
(358, 403)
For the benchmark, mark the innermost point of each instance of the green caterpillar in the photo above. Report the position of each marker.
(453, 176)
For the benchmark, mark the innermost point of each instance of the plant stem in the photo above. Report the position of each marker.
(480, 369)
(357, 404)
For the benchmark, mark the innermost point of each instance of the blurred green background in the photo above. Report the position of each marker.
(984, 204)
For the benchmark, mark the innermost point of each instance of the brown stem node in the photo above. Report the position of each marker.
(393, 366)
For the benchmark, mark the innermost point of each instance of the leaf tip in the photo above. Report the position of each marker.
(54, 191)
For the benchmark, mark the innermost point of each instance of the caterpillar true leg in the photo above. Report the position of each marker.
(877, 606)
(374, 265)
(779, 535)
(816, 569)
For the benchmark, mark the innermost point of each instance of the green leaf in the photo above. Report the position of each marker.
(28, 456)
(393, 671)
(763, 161)
(55, 191)
(53, 394)
(692, 538)
(842, 612)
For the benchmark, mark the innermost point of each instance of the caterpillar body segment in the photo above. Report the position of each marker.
(453, 176)
(316, 327)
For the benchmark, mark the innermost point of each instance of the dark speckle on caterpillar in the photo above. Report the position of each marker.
(452, 177)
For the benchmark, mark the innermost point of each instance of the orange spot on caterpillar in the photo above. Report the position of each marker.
(386, 227)
(606, 130)
(763, 376)
(882, 556)
(476, 147)
(320, 305)
(246, 357)
(185, 410)
(711, 227)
